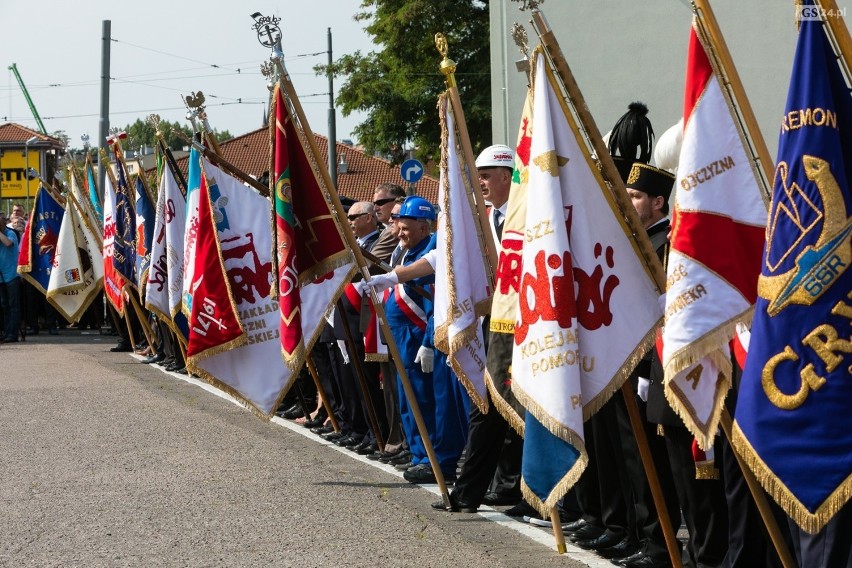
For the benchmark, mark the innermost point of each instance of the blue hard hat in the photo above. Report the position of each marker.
(417, 208)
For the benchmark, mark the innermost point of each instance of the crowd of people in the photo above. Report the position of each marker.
(357, 401)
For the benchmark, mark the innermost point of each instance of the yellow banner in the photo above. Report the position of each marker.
(13, 179)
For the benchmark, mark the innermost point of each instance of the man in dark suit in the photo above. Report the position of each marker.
(355, 430)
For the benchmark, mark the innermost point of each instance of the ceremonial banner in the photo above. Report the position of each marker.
(190, 231)
(92, 187)
(214, 326)
(38, 243)
(157, 285)
(77, 275)
(549, 387)
(462, 291)
(82, 199)
(718, 225)
(124, 243)
(113, 284)
(504, 304)
(253, 372)
(313, 262)
(587, 304)
(144, 229)
(793, 420)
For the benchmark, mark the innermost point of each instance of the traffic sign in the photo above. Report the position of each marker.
(411, 170)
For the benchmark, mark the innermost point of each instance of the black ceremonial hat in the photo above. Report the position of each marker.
(631, 139)
(648, 179)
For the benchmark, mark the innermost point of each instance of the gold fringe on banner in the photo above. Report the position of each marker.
(809, 522)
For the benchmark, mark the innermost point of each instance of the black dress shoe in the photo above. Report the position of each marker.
(623, 561)
(402, 457)
(154, 359)
(645, 561)
(332, 436)
(496, 499)
(295, 411)
(587, 532)
(455, 506)
(315, 422)
(520, 510)
(324, 429)
(182, 371)
(386, 457)
(623, 549)
(366, 450)
(606, 540)
(574, 526)
(350, 440)
(420, 473)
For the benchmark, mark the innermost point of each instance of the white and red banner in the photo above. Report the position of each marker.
(77, 274)
(717, 239)
(113, 284)
(462, 291)
(254, 371)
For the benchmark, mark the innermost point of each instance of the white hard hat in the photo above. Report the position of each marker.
(496, 156)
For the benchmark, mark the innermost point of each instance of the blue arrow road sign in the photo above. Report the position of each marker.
(411, 170)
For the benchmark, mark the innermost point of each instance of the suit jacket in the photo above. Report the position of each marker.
(353, 313)
(658, 409)
(384, 245)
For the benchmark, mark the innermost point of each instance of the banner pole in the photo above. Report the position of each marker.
(321, 391)
(346, 232)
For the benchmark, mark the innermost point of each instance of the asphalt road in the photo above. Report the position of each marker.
(109, 462)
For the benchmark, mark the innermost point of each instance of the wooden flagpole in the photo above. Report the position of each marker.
(477, 201)
(735, 93)
(321, 392)
(838, 32)
(626, 208)
(346, 232)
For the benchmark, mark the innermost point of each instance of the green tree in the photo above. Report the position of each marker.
(141, 133)
(398, 85)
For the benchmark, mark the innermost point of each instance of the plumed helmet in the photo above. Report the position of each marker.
(496, 156)
(631, 139)
(417, 208)
(667, 150)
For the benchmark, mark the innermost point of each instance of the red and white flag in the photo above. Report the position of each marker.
(462, 291)
(113, 284)
(717, 239)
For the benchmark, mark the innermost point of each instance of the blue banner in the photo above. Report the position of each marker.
(93, 191)
(793, 416)
(38, 246)
(124, 246)
(144, 230)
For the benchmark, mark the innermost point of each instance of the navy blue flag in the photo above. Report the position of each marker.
(38, 243)
(124, 246)
(794, 412)
(144, 230)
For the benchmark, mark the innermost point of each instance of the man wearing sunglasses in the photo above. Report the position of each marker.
(384, 198)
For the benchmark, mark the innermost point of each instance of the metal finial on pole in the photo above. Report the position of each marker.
(528, 4)
(448, 66)
(519, 34)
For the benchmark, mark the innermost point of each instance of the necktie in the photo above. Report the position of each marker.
(498, 223)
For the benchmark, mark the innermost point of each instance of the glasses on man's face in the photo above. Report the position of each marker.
(385, 201)
(355, 216)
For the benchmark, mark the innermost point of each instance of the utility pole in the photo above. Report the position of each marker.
(332, 124)
(103, 124)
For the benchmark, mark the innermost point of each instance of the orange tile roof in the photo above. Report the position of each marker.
(15, 134)
(250, 153)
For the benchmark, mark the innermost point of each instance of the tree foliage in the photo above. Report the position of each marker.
(398, 85)
(141, 133)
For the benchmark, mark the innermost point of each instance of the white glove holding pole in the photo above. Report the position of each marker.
(382, 282)
(426, 358)
(642, 388)
(343, 352)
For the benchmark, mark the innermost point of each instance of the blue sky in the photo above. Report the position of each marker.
(162, 51)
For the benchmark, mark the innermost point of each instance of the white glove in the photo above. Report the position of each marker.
(381, 282)
(342, 346)
(426, 358)
(642, 389)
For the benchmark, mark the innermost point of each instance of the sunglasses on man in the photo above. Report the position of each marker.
(355, 216)
(385, 201)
